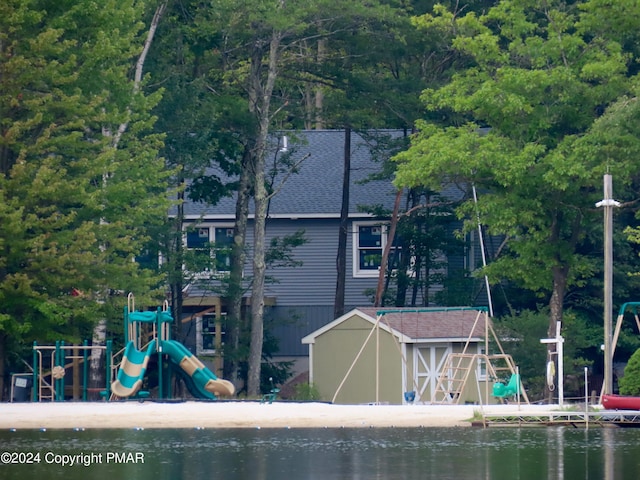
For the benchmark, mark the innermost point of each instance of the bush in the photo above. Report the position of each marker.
(306, 391)
(630, 382)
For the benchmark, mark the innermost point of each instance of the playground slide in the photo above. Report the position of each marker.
(201, 381)
(132, 370)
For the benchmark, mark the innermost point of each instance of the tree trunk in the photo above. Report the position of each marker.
(341, 257)
(97, 375)
(404, 262)
(176, 249)
(556, 306)
(235, 292)
(100, 331)
(257, 293)
(385, 253)
(319, 92)
(262, 95)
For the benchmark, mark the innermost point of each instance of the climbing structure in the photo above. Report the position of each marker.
(459, 368)
(147, 333)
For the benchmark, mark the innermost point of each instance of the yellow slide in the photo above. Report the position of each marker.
(201, 382)
(132, 369)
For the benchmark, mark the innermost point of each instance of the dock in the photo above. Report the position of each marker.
(599, 418)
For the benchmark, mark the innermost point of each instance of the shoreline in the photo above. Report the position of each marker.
(243, 414)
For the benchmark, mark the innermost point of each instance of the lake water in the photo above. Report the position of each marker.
(530, 453)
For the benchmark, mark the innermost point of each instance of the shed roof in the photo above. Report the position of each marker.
(420, 325)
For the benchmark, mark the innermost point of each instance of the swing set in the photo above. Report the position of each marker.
(458, 369)
(455, 369)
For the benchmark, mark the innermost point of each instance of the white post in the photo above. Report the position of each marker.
(519, 385)
(560, 349)
(608, 203)
(586, 397)
(559, 341)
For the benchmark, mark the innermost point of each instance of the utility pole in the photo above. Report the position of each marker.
(608, 203)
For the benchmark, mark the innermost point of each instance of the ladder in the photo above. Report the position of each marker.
(457, 369)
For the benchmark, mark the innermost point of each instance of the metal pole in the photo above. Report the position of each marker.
(560, 350)
(55, 381)
(519, 383)
(484, 258)
(108, 357)
(63, 361)
(377, 363)
(586, 397)
(158, 324)
(35, 386)
(85, 369)
(608, 203)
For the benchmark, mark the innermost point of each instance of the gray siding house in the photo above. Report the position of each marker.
(301, 298)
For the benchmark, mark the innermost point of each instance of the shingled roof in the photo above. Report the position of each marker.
(454, 323)
(314, 190)
(417, 325)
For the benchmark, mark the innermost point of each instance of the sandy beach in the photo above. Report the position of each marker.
(239, 414)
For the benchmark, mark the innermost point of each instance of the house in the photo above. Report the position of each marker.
(372, 355)
(301, 299)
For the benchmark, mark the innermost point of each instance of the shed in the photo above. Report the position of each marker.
(372, 355)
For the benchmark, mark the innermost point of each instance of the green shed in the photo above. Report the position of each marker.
(372, 355)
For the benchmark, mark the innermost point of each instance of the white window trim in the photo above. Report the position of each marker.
(481, 373)
(200, 350)
(357, 273)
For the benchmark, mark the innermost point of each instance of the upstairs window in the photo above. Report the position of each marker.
(369, 240)
(223, 242)
(209, 249)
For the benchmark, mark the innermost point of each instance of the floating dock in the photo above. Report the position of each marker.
(602, 418)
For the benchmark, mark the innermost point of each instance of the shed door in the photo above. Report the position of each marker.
(427, 363)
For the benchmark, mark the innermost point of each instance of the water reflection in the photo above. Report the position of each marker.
(325, 454)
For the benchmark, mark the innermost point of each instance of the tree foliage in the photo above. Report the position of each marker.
(513, 124)
(80, 179)
(264, 55)
(630, 382)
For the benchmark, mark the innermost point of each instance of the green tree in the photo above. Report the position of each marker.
(261, 49)
(538, 81)
(521, 334)
(370, 79)
(80, 179)
(630, 382)
(204, 127)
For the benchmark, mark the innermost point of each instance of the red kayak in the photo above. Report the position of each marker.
(620, 402)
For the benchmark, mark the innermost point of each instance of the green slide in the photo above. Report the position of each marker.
(201, 382)
(132, 370)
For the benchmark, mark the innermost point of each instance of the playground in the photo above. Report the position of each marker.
(60, 372)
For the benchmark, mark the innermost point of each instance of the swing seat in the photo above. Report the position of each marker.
(500, 390)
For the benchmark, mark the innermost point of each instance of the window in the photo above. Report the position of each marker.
(223, 240)
(206, 335)
(149, 258)
(369, 240)
(209, 249)
(481, 374)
